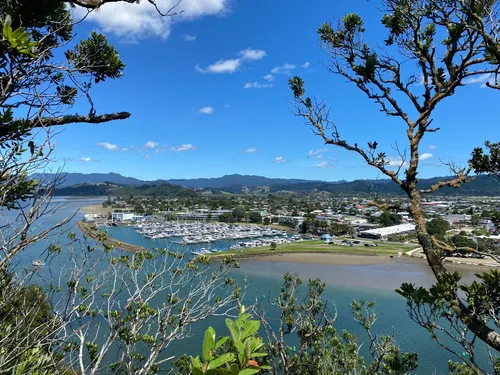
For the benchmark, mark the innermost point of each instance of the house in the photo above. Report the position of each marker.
(90, 217)
(122, 216)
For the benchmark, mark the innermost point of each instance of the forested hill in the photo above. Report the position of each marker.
(161, 190)
(482, 185)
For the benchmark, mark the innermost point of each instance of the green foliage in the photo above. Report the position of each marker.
(322, 349)
(273, 245)
(239, 213)
(255, 217)
(487, 163)
(438, 227)
(95, 56)
(244, 342)
(387, 219)
(227, 218)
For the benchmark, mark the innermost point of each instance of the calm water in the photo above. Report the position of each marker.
(368, 282)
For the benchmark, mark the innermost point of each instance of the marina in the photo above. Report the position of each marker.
(197, 233)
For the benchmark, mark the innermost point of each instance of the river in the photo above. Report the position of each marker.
(344, 283)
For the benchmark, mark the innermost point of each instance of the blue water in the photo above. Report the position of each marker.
(344, 283)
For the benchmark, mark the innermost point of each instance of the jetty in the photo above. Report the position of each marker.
(90, 230)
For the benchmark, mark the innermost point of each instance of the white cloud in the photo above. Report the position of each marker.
(140, 20)
(432, 147)
(231, 65)
(207, 110)
(312, 153)
(395, 161)
(257, 85)
(151, 144)
(320, 156)
(108, 146)
(324, 164)
(184, 147)
(284, 69)
(279, 160)
(85, 159)
(252, 54)
(189, 37)
(220, 67)
(124, 149)
(306, 65)
(426, 156)
(251, 150)
(269, 77)
(477, 79)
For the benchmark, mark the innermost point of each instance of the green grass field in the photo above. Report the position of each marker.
(317, 246)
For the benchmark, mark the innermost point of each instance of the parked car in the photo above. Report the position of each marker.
(356, 242)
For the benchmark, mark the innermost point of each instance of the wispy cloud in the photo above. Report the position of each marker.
(284, 69)
(312, 153)
(83, 159)
(231, 65)
(257, 85)
(184, 147)
(151, 144)
(252, 54)
(109, 146)
(140, 20)
(395, 161)
(251, 150)
(306, 65)
(269, 77)
(426, 156)
(279, 160)
(207, 110)
(432, 147)
(189, 37)
(477, 79)
(324, 164)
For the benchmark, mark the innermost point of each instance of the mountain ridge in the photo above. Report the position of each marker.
(236, 183)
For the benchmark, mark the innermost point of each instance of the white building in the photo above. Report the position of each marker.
(90, 217)
(122, 216)
(385, 232)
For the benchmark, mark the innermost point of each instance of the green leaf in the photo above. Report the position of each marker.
(250, 327)
(221, 342)
(248, 371)
(254, 355)
(220, 361)
(208, 344)
(235, 334)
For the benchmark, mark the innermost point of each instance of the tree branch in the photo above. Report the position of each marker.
(72, 119)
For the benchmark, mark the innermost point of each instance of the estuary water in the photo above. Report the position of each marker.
(344, 283)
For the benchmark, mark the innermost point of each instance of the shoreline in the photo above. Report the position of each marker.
(331, 258)
(87, 230)
(347, 259)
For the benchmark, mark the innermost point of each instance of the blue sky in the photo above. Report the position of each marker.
(208, 95)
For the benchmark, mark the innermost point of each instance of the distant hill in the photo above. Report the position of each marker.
(161, 190)
(237, 180)
(234, 180)
(89, 184)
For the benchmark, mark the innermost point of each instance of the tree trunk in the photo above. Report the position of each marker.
(468, 318)
(433, 258)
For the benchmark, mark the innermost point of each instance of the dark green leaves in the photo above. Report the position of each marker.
(486, 163)
(297, 85)
(97, 57)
